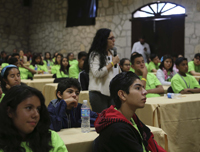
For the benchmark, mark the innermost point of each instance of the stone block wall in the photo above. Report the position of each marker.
(14, 21)
(47, 26)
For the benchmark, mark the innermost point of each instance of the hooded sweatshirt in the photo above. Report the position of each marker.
(62, 118)
(117, 134)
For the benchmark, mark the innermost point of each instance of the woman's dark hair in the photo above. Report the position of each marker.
(39, 140)
(62, 68)
(165, 57)
(3, 83)
(69, 55)
(67, 83)
(56, 62)
(122, 81)
(98, 47)
(34, 58)
(45, 56)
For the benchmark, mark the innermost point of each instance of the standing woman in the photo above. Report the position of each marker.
(63, 72)
(56, 65)
(25, 123)
(165, 71)
(100, 66)
(125, 64)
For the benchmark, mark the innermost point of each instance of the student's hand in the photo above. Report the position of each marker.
(144, 71)
(115, 60)
(40, 72)
(8, 86)
(21, 63)
(145, 49)
(71, 102)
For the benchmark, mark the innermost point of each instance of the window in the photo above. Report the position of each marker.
(158, 9)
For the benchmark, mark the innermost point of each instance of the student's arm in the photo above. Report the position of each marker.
(93, 116)
(185, 91)
(31, 70)
(58, 116)
(195, 73)
(161, 77)
(159, 90)
(153, 70)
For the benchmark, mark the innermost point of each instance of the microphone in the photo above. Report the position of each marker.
(114, 54)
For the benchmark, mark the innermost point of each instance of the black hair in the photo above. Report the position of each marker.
(179, 60)
(6, 58)
(15, 54)
(152, 56)
(2, 52)
(3, 83)
(54, 55)
(39, 140)
(165, 57)
(12, 60)
(98, 47)
(56, 58)
(134, 56)
(82, 54)
(62, 68)
(197, 55)
(122, 81)
(69, 55)
(45, 56)
(67, 83)
(34, 58)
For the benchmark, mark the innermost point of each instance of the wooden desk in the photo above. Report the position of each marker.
(179, 118)
(42, 76)
(38, 83)
(76, 141)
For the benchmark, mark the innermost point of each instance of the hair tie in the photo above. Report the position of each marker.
(8, 66)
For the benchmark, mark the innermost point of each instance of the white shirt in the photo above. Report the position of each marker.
(138, 47)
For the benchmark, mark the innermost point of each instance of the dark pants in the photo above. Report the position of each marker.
(99, 102)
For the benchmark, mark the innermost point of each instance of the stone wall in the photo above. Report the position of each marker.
(14, 21)
(47, 26)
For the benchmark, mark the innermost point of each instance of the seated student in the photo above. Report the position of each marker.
(75, 69)
(125, 65)
(25, 123)
(6, 61)
(166, 71)
(63, 72)
(70, 58)
(56, 65)
(182, 82)
(54, 56)
(47, 59)
(38, 63)
(119, 127)
(154, 64)
(25, 72)
(65, 111)
(22, 57)
(194, 66)
(149, 80)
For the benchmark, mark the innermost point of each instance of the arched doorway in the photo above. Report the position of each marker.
(163, 24)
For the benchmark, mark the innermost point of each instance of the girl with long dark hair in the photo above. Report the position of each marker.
(100, 66)
(70, 58)
(38, 64)
(47, 59)
(165, 71)
(56, 65)
(25, 123)
(63, 72)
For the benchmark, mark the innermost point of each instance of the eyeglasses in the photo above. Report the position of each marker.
(111, 38)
